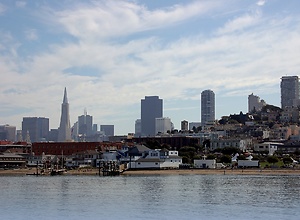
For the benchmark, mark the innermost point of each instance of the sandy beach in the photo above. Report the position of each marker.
(18, 172)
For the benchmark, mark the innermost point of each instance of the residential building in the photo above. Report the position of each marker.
(184, 125)
(151, 108)
(207, 107)
(289, 91)
(36, 127)
(255, 104)
(269, 147)
(64, 130)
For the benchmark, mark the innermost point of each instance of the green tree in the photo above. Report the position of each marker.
(225, 159)
(272, 159)
(287, 160)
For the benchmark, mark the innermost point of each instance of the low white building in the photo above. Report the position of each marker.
(205, 164)
(269, 147)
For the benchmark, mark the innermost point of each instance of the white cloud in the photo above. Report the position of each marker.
(3, 8)
(115, 18)
(21, 4)
(261, 2)
(31, 34)
(249, 52)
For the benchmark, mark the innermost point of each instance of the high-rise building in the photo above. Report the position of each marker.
(85, 124)
(289, 91)
(254, 103)
(207, 107)
(36, 127)
(163, 125)
(151, 108)
(137, 128)
(109, 130)
(64, 130)
(8, 132)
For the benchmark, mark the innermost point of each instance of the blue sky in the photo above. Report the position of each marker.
(111, 54)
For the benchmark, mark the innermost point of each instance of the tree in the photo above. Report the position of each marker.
(225, 159)
(272, 159)
(287, 160)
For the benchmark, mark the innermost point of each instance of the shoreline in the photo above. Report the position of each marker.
(250, 171)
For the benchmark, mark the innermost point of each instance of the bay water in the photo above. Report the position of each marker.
(150, 197)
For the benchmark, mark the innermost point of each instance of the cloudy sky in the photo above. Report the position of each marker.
(111, 54)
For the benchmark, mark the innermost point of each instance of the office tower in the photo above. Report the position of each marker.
(151, 108)
(289, 91)
(255, 104)
(36, 127)
(137, 128)
(8, 132)
(64, 130)
(95, 128)
(194, 125)
(108, 130)
(184, 125)
(163, 125)
(85, 124)
(207, 107)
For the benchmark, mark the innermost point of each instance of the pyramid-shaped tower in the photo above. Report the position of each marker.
(64, 130)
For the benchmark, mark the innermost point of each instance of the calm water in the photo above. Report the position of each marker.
(150, 197)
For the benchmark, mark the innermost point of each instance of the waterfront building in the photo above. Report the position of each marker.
(207, 107)
(108, 130)
(37, 128)
(289, 91)
(151, 108)
(254, 103)
(64, 130)
(163, 125)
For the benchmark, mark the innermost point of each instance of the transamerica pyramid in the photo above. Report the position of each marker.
(64, 130)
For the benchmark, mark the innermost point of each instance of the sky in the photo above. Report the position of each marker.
(111, 54)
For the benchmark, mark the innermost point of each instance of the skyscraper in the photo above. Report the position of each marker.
(36, 127)
(85, 124)
(151, 108)
(207, 107)
(64, 130)
(289, 91)
(109, 130)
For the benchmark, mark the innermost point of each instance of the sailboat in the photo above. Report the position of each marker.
(61, 171)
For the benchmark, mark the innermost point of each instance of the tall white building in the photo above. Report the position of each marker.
(163, 125)
(207, 107)
(289, 91)
(64, 130)
(254, 103)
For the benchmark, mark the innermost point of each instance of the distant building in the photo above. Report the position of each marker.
(151, 108)
(64, 130)
(193, 125)
(53, 135)
(184, 125)
(137, 128)
(254, 103)
(85, 124)
(289, 91)
(109, 130)
(8, 132)
(207, 107)
(163, 125)
(95, 128)
(36, 127)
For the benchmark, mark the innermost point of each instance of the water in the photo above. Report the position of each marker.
(150, 197)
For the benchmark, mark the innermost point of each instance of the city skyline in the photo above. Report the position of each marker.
(171, 49)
